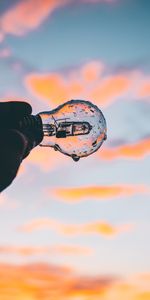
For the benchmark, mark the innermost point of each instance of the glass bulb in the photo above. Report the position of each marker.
(76, 128)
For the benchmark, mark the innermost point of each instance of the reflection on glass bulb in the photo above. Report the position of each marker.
(76, 128)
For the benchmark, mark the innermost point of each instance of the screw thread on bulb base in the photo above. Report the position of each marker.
(30, 122)
(32, 127)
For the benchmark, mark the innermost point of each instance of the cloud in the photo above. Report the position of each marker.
(135, 150)
(45, 282)
(71, 250)
(129, 289)
(53, 88)
(24, 251)
(111, 88)
(101, 193)
(47, 250)
(100, 228)
(92, 71)
(92, 81)
(39, 224)
(144, 89)
(85, 82)
(106, 229)
(25, 16)
(143, 296)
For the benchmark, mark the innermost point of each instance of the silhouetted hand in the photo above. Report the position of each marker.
(14, 145)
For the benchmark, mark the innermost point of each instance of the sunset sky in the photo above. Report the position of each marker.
(79, 231)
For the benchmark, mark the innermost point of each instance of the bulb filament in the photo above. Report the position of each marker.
(62, 128)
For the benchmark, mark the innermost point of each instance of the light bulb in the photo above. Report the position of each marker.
(76, 128)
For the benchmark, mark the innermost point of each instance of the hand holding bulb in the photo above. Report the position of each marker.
(14, 145)
(76, 128)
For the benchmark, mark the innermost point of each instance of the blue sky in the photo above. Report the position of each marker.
(119, 36)
(97, 51)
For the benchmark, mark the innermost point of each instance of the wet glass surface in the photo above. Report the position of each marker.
(78, 127)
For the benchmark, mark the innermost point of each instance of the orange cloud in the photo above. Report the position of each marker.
(128, 289)
(25, 251)
(52, 87)
(111, 88)
(92, 71)
(26, 16)
(143, 296)
(86, 82)
(72, 195)
(135, 151)
(106, 229)
(144, 90)
(39, 224)
(47, 250)
(101, 228)
(71, 250)
(45, 282)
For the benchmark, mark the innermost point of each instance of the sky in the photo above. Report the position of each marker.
(78, 231)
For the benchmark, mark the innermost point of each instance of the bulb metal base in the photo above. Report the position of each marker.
(31, 126)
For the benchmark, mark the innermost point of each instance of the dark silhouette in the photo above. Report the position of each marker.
(15, 144)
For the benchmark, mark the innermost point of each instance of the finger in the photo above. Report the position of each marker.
(15, 108)
(12, 112)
